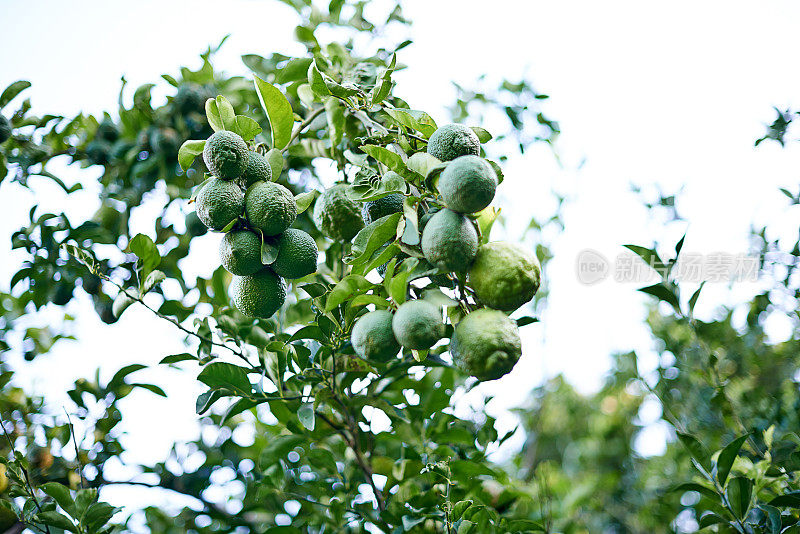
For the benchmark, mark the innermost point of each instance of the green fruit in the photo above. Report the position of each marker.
(467, 184)
(336, 215)
(107, 131)
(453, 140)
(225, 155)
(5, 129)
(417, 324)
(98, 151)
(240, 252)
(297, 254)
(269, 207)
(372, 336)
(257, 170)
(165, 140)
(449, 241)
(194, 226)
(260, 294)
(486, 344)
(190, 97)
(505, 275)
(218, 203)
(375, 209)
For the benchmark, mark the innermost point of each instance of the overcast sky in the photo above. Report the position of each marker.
(668, 95)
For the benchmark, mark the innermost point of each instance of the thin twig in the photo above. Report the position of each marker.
(303, 125)
(77, 451)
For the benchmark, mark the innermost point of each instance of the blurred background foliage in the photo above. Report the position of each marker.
(718, 386)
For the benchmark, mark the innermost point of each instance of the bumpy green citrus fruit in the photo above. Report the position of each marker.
(467, 184)
(225, 155)
(270, 207)
(194, 226)
(260, 294)
(240, 252)
(336, 215)
(449, 241)
(372, 336)
(375, 209)
(5, 129)
(257, 170)
(297, 254)
(453, 140)
(99, 151)
(218, 203)
(486, 344)
(505, 275)
(417, 324)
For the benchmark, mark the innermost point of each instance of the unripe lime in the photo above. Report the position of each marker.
(449, 241)
(240, 252)
(260, 294)
(297, 254)
(453, 140)
(468, 184)
(375, 209)
(417, 324)
(218, 203)
(505, 275)
(486, 344)
(257, 170)
(270, 207)
(372, 336)
(336, 215)
(225, 155)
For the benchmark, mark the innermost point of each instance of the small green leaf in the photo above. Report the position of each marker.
(220, 114)
(726, 458)
(422, 163)
(665, 293)
(226, 376)
(483, 135)
(384, 85)
(61, 495)
(55, 519)
(150, 387)
(392, 160)
(650, 257)
(416, 120)
(398, 286)
(12, 91)
(316, 81)
(372, 237)
(304, 200)
(710, 519)
(739, 493)
(119, 377)
(306, 415)
(189, 150)
(146, 251)
(275, 159)
(459, 508)
(175, 358)
(278, 110)
(121, 303)
(306, 95)
(269, 251)
(247, 127)
(334, 111)
(695, 448)
(153, 279)
(694, 297)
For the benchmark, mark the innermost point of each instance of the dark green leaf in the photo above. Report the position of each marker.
(226, 376)
(695, 448)
(12, 91)
(146, 251)
(349, 286)
(739, 492)
(726, 458)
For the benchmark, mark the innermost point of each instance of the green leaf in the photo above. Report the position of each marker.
(150, 387)
(121, 303)
(459, 508)
(650, 257)
(226, 376)
(774, 522)
(175, 358)
(739, 492)
(392, 160)
(146, 251)
(295, 70)
(398, 286)
(334, 111)
(465, 527)
(710, 519)
(220, 114)
(12, 91)
(438, 298)
(486, 219)
(790, 500)
(410, 235)
(188, 151)
(525, 525)
(206, 399)
(726, 458)
(306, 415)
(386, 254)
(483, 135)
(422, 163)
(61, 495)
(694, 297)
(366, 187)
(119, 377)
(316, 81)
(372, 237)
(416, 120)
(275, 159)
(311, 331)
(384, 84)
(247, 127)
(662, 292)
(269, 251)
(279, 112)
(695, 448)
(55, 519)
(350, 285)
(97, 516)
(693, 486)
(153, 279)
(306, 95)
(304, 200)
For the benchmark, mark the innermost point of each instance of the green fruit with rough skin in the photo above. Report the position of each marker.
(418, 325)
(297, 254)
(98, 151)
(375, 209)
(468, 184)
(486, 344)
(372, 336)
(505, 275)
(194, 226)
(5, 129)
(336, 215)
(225, 155)
(257, 170)
(453, 140)
(219, 203)
(240, 252)
(269, 207)
(450, 241)
(260, 294)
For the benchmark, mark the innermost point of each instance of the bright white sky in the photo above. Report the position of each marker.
(668, 95)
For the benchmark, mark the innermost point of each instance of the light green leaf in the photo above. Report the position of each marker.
(275, 159)
(316, 81)
(55, 519)
(220, 114)
(486, 219)
(372, 237)
(416, 120)
(483, 134)
(334, 111)
(306, 95)
(398, 287)
(422, 163)
(304, 200)
(247, 127)
(153, 279)
(189, 150)
(392, 160)
(146, 251)
(278, 110)
(384, 85)
(349, 286)
(306, 415)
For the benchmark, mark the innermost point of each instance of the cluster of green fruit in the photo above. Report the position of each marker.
(258, 249)
(502, 276)
(5, 129)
